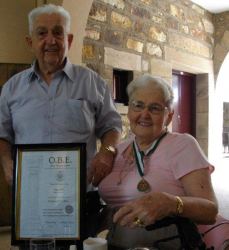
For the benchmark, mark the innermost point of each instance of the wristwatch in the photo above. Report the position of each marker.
(110, 149)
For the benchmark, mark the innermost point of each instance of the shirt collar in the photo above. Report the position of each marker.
(68, 70)
(32, 74)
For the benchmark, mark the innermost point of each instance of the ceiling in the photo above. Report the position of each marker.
(214, 6)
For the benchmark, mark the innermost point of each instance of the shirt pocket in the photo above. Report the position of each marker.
(82, 115)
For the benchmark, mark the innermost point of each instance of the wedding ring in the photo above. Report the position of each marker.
(138, 222)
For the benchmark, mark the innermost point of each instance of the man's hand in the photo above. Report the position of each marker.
(101, 166)
(6, 161)
(8, 171)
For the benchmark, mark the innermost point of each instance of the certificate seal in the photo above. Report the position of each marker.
(60, 176)
(69, 209)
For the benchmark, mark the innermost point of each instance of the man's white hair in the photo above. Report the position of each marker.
(49, 9)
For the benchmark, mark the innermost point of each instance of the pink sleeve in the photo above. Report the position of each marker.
(187, 156)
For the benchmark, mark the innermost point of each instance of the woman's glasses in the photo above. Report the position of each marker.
(153, 108)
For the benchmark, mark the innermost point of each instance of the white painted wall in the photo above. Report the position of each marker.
(14, 28)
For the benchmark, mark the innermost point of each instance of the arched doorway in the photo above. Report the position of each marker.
(222, 94)
(219, 177)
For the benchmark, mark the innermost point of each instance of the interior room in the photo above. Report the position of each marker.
(180, 41)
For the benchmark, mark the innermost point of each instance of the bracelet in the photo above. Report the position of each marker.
(180, 205)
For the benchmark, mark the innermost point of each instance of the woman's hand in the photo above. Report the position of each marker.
(146, 210)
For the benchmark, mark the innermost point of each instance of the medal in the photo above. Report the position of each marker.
(143, 186)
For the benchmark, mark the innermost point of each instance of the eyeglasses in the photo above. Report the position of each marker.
(154, 109)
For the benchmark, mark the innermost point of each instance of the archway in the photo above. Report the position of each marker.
(222, 90)
(219, 93)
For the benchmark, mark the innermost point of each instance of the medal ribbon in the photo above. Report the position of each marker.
(139, 155)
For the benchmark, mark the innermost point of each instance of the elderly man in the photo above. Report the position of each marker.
(55, 101)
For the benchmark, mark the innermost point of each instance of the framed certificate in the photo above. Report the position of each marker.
(49, 189)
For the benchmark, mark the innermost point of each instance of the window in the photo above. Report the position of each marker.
(121, 78)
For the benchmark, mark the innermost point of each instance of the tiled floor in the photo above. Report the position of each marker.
(220, 180)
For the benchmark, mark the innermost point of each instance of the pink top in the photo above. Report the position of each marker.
(176, 155)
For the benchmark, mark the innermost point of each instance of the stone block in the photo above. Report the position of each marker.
(202, 119)
(161, 68)
(122, 60)
(202, 91)
(189, 45)
(119, 4)
(192, 18)
(177, 12)
(135, 45)
(145, 65)
(221, 52)
(156, 19)
(202, 131)
(203, 142)
(225, 40)
(187, 62)
(88, 52)
(148, 2)
(202, 105)
(198, 9)
(92, 34)
(153, 49)
(157, 34)
(120, 21)
(114, 37)
(94, 67)
(139, 28)
(172, 23)
(208, 26)
(185, 29)
(140, 12)
(98, 13)
(108, 72)
(197, 33)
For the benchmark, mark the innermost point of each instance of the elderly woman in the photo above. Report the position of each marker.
(156, 173)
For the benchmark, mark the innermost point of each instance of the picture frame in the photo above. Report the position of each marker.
(49, 193)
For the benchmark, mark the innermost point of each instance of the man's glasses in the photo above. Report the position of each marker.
(139, 106)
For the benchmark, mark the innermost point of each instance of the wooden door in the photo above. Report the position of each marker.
(184, 87)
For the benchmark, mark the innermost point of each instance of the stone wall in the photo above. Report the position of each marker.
(152, 36)
(221, 49)
(131, 34)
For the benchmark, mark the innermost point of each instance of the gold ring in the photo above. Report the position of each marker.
(139, 222)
